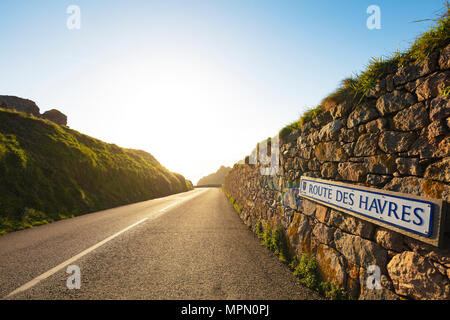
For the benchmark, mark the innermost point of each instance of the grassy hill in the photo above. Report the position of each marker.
(49, 172)
(216, 178)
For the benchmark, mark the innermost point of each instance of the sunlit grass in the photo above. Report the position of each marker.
(304, 118)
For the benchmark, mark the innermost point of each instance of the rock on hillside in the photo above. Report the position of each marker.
(19, 104)
(214, 178)
(30, 107)
(55, 116)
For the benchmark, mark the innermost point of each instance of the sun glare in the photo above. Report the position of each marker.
(193, 95)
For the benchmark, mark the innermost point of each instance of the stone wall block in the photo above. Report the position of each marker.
(330, 151)
(351, 224)
(362, 114)
(440, 108)
(444, 59)
(331, 265)
(381, 164)
(323, 233)
(416, 70)
(412, 118)
(329, 170)
(394, 142)
(389, 240)
(415, 277)
(350, 171)
(432, 86)
(394, 101)
(439, 171)
(408, 166)
(377, 125)
(360, 251)
(367, 145)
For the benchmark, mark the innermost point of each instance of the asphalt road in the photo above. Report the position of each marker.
(191, 245)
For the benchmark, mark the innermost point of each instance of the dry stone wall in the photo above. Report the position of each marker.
(398, 139)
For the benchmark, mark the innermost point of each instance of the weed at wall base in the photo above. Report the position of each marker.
(306, 270)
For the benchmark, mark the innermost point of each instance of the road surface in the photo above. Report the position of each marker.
(190, 245)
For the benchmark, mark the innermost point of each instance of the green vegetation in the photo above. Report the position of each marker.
(49, 172)
(433, 40)
(430, 41)
(342, 93)
(275, 240)
(357, 87)
(445, 92)
(236, 206)
(375, 70)
(259, 230)
(225, 193)
(304, 118)
(306, 270)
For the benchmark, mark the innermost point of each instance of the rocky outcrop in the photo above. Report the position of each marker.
(55, 116)
(398, 139)
(30, 107)
(19, 104)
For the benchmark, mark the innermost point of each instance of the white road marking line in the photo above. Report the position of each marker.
(52, 271)
(171, 205)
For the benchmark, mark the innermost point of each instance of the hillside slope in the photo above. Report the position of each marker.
(217, 177)
(50, 172)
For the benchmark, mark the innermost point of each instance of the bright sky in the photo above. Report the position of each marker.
(195, 83)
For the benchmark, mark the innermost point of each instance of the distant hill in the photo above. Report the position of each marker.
(50, 172)
(216, 178)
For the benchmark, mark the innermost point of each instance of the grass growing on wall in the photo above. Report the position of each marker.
(433, 40)
(357, 87)
(304, 118)
(49, 172)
